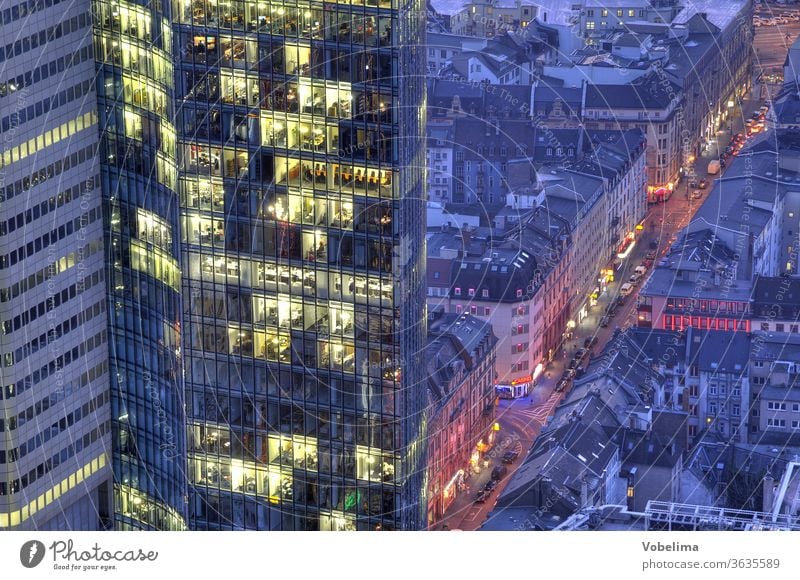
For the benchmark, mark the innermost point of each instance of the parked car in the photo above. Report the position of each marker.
(635, 277)
(510, 456)
(562, 386)
(604, 321)
(499, 472)
(573, 364)
(490, 486)
(625, 289)
(481, 497)
(590, 342)
(703, 184)
(580, 354)
(696, 194)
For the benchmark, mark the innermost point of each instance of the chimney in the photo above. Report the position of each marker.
(769, 493)
(584, 493)
(466, 238)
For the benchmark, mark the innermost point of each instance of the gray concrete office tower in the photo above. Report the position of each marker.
(300, 157)
(92, 423)
(55, 427)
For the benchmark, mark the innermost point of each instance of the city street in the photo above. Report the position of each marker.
(521, 420)
(771, 43)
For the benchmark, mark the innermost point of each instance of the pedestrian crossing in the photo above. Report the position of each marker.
(540, 412)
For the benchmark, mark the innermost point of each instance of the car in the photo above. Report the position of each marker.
(590, 342)
(481, 497)
(654, 245)
(635, 277)
(573, 364)
(499, 472)
(703, 184)
(650, 256)
(693, 183)
(750, 123)
(510, 456)
(626, 289)
(696, 194)
(581, 353)
(490, 486)
(562, 386)
(604, 321)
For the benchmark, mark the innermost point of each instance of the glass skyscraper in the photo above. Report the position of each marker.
(133, 44)
(228, 276)
(300, 161)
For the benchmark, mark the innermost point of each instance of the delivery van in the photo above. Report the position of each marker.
(626, 289)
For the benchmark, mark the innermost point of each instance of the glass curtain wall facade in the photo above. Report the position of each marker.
(133, 48)
(300, 176)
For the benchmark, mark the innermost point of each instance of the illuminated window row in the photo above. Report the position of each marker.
(345, 63)
(285, 19)
(153, 229)
(60, 457)
(138, 59)
(156, 263)
(53, 494)
(45, 106)
(45, 173)
(318, 208)
(144, 93)
(277, 452)
(353, 179)
(317, 282)
(293, 134)
(305, 96)
(40, 243)
(46, 433)
(137, 505)
(126, 17)
(58, 266)
(48, 138)
(326, 352)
